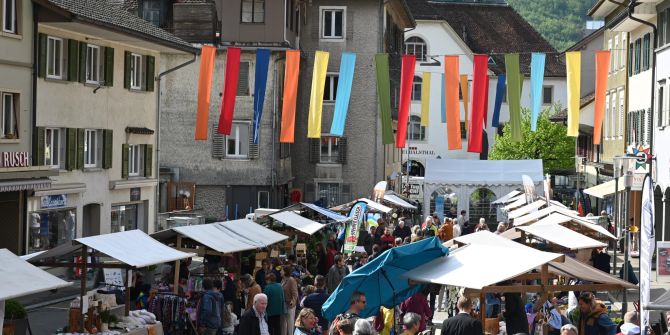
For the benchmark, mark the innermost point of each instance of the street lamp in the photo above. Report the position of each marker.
(622, 169)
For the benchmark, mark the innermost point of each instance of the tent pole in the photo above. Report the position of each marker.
(482, 308)
(127, 285)
(84, 260)
(393, 308)
(177, 265)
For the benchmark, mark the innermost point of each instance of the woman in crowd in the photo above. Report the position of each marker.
(306, 323)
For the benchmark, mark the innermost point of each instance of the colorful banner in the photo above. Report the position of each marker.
(204, 91)
(229, 90)
(602, 68)
(647, 246)
(443, 107)
(453, 111)
(479, 84)
(573, 64)
(536, 80)
(465, 91)
(384, 95)
(500, 92)
(357, 218)
(486, 99)
(316, 96)
(345, 80)
(406, 83)
(514, 94)
(291, 73)
(425, 99)
(261, 77)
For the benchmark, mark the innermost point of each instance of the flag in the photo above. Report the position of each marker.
(443, 108)
(345, 80)
(500, 92)
(204, 91)
(229, 90)
(425, 99)
(261, 76)
(406, 83)
(514, 94)
(602, 69)
(465, 90)
(384, 95)
(453, 111)
(316, 95)
(573, 68)
(287, 134)
(536, 80)
(647, 246)
(357, 216)
(479, 84)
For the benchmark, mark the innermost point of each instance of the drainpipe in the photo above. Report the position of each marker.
(158, 129)
(273, 173)
(24, 208)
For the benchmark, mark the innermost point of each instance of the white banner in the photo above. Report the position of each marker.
(647, 241)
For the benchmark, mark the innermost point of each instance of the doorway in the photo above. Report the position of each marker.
(91, 220)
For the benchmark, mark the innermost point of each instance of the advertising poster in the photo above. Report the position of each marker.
(357, 215)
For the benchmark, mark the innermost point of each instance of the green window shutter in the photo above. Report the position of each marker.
(42, 61)
(81, 137)
(148, 159)
(124, 161)
(109, 66)
(126, 69)
(107, 148)
(71, 149)
(150, 73)
(72, 59)
(38, 156)
(82, 62)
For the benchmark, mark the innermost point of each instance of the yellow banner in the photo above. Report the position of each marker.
(316, 96)
(573, 63)
(425, 99)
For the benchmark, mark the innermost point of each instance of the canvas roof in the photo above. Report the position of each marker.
(19, 278)
(558, 218)
(605, 189)
(326, 212)
(215, 237)
(542, 213)
(506, 198)
(516, 202)
(526, 209)
(661, 303)
(486, 237)
(562, 236)
(396, 200)
(573, 268)
(253, 233)
(486, 172)
(374, 205)
(298, 222)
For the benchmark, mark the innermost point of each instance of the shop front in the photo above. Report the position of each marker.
(53, 224)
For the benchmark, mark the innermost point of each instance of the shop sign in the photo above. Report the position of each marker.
(54, 201)
(14, 159)
(638, 181)
(135, 194)
(415, 151)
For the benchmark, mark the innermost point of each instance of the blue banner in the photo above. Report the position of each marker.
(344, 83)
(536, 78)
(262, 64)
(443, 107)
(439, 207)
(357, 219)
(500, 93)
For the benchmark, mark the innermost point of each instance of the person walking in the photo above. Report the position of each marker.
(462, 222)
(251, 288)
(356, 305)
(591, 317)
(307, 323)
(209, 311)
(463, 323)
(418, 304)
(275, 308)
(254, 321)
(316, 300)
(290, 287)
(411, 323)
(262, 273)
(336, 273)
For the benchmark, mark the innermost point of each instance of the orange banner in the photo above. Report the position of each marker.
(204, 91)
(465, 90)
(287, 134)
(451, 82)
(602, 67)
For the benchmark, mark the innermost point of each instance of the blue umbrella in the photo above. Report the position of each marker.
(382, 279)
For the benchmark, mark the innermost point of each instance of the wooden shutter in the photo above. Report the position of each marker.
(126, 69)
(150, 73)
(82, 62)
(342, 153)
(218, 143)
(243, 80)
(109, 66)
(38, 156)
(148, 159)
(42, 61)
(314, 150)
(124, 161)
(107, 148)
(81, 137)
(71, 149)
(254, 152)
(72, 59)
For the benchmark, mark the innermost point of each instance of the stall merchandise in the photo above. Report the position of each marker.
(171, 311)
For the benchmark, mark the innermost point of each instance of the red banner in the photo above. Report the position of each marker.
(229, 90)
(602, 66)
(479, 100)
(452, 106)
(406, 81)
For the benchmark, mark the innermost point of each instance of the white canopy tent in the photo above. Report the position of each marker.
(661, 303)
(326, 212)
(535, 205)
(506, 198)
(542, 213)
(374, 206)
(212, 235)
(298, 222)
(605, 189)
(561, 236)
(254, 233)
(20, 278)
(396, 200)
(515, 202)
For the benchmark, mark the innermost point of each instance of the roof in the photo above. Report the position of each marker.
(562, 236)
(102, 13)
(533, 206)
(375, 206)
(506, 198)
(562, 115)
(398, 201)
(605, 189)
(587, 39)
(542, 213)
(254, 233)
(21, 278)
(298, 222)
(326, 212)
(476, 172)
(493, 29)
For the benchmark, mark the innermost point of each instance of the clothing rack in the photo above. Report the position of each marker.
(171, 310)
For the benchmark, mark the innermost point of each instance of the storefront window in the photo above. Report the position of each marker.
(51, 228)
(124, 218)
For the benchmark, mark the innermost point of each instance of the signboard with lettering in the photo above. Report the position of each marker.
(14, 159)
(415, 151)
(113, 276)
(638, 181)
(135, 194)
(54, 201)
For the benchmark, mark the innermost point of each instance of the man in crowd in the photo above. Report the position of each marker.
(591, 317)
(356, 305)
(338, 271)
(209, 320)
(251, 288)
(275, 305)
(254, 321)
(402, 231)
(462, 222)
(262, 273)
(316, 300)
(463, 323)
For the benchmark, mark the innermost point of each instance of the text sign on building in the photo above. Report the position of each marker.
(135, 194)
(54, 201)
(14, 159)
(638, 181)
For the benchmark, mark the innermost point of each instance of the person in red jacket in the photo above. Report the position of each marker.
(387, 239)
(418, 304)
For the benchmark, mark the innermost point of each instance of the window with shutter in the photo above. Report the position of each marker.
(638, 55)
(71, 151)
(649, 126)
(81, 148)
(127, 69)
(150, 73)
(82, 62)
(243, 80)
(659, 108)
(39, 143)
(42, 61)
(108, 68)
(125, 151)
(107, 148)
(646, 51)
(253, 147)
(72, 59)
(622, 112)
(314, 150)
(631, 56)
(218, 143)
(148, 160)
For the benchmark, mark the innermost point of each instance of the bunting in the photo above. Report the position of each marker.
(573, 67)
(406, 82)
(500, 92)
(514, 94)
(204, 91)
(536, 80)
(465, 92)
(287, 134)
(425, 99)
(443, 108)
(345, 80)
(261, 77)
(602, 68)
(384, 95)
(229, 90)
(479, 85)
(316, 96)
(453, 112)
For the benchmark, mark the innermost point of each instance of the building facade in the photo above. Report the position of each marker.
(661, 121)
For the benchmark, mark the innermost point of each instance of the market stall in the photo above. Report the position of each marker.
(561, 236)
(372, 206)
(533, 206)
(507, 198)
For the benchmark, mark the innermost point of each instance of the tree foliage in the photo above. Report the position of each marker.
(561, 22)
(550, 143)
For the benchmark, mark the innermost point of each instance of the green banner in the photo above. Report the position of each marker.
(514, 94)
(384, 94)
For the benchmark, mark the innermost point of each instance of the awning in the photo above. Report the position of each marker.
(298, 222)
(326, 212)
(506, 198)
(573, 268)
(20, 278)
(487, 238)
(605, 189)
(511, 234)
(254, 233)
(542, 213)
(215, 237)
(562, 236)
(396, 200)
(484, 172)
(559, 218)
(516, 202)
(25, 184)
(377, 205)
(526, 209)
(661, 303)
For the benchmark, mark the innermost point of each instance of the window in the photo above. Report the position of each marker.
(330, 89)
(417, 47)
(9, 14)
(91, 147)
(609, 47)
(631, 56)
(151, 11)
(661, 28)
(607, 116)
(328, 194)
(547, 95)
(253, 11)
(415, 132)
(54, 148)
(54, 57)
(613, 114)
(135, 71)
(330, 150)
(332, 22)
(243, 80)
(615, 53)
(416, 88)
(646, 48)
(638, 55)
(660, 111)
(237, 143)
(9, 111)
(263, 199)
(49, 229)
(124, 218)
(93, 64)
(135, 160)
(622, 99)
(622, 52)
